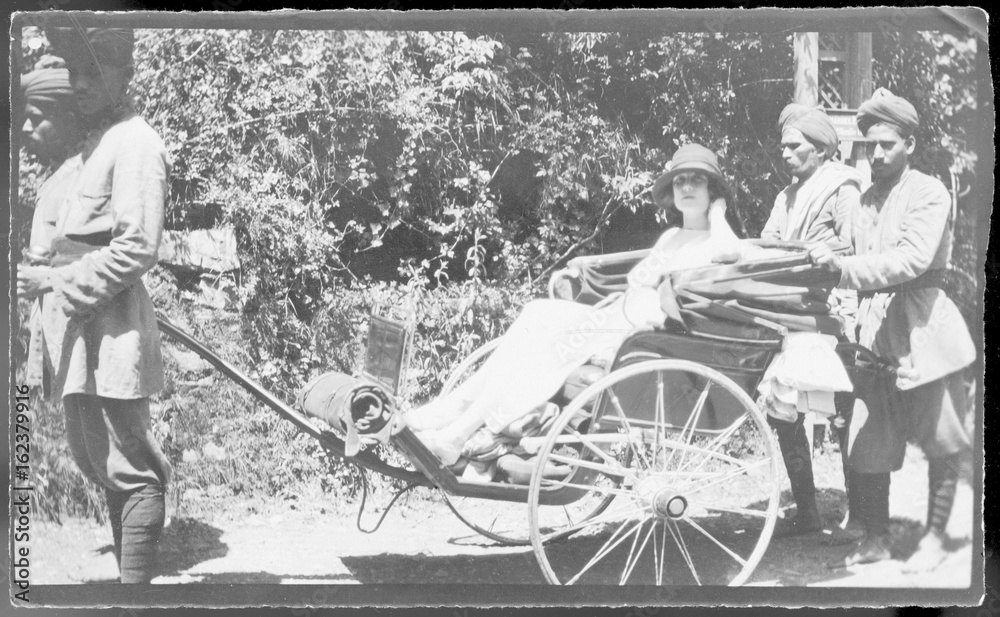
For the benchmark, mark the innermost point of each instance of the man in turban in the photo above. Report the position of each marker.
(50, 129)
(902, 244)
(51, 132)
(100, 344)
(817, 206)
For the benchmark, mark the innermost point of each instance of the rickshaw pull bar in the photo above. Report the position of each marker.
(327, 439)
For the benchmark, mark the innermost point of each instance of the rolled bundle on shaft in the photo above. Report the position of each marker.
(356, 406)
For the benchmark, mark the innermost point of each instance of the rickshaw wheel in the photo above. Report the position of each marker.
(504, 522)
(693, 464)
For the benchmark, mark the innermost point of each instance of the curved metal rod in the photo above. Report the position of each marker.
(326, 438)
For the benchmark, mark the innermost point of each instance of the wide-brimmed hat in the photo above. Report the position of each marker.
(689, 157)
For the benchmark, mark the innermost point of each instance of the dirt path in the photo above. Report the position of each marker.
(422, 542)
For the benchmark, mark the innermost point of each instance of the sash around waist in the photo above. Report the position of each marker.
(927, 280)
(68, 249)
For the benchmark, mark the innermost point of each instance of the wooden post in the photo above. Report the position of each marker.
(858, 89)
(806, 46)
(858, 69)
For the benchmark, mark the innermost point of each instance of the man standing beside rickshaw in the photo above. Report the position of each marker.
(817, 206)
(902, 243)
(96, 336)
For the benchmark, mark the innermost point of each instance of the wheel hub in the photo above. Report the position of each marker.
(669, 504)
(664, 500)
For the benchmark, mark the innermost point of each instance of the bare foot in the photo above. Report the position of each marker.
(929, 555)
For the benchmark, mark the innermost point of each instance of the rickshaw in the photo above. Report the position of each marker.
(657, 469)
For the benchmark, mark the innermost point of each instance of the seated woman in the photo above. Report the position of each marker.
(551, 338)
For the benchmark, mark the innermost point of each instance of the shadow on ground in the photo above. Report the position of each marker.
(509, 568)
(188, 542)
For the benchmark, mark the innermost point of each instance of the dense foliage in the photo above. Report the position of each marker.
(340, 156)
(361, 168)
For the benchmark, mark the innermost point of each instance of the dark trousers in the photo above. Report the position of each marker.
(868, 496)
(137, 518)
(931, 413)
(795, 444)
(867, 493)
(113, 444)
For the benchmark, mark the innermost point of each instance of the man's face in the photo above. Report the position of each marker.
(98, 86)
(888, 151)
(802, 159)
(49, 132)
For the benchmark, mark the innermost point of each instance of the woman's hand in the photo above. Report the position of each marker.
(33, 281)
(717, 224)
(717, 214)
(717, 208)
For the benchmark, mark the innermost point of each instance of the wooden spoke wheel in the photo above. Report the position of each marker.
(690, 464)
(506, 522)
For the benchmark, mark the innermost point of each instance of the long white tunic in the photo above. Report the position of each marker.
(98, 324)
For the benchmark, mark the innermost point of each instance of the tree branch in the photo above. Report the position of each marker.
(575, 247)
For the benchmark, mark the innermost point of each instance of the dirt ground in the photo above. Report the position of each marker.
(421, 541)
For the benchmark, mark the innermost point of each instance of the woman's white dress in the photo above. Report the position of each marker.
(551, 338)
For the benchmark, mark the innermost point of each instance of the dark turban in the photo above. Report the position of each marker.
(887, 108)
(814, 124)
(46, 86)
(102, 45)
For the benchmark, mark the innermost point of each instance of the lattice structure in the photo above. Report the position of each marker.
(831, 84)
(832, 65)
